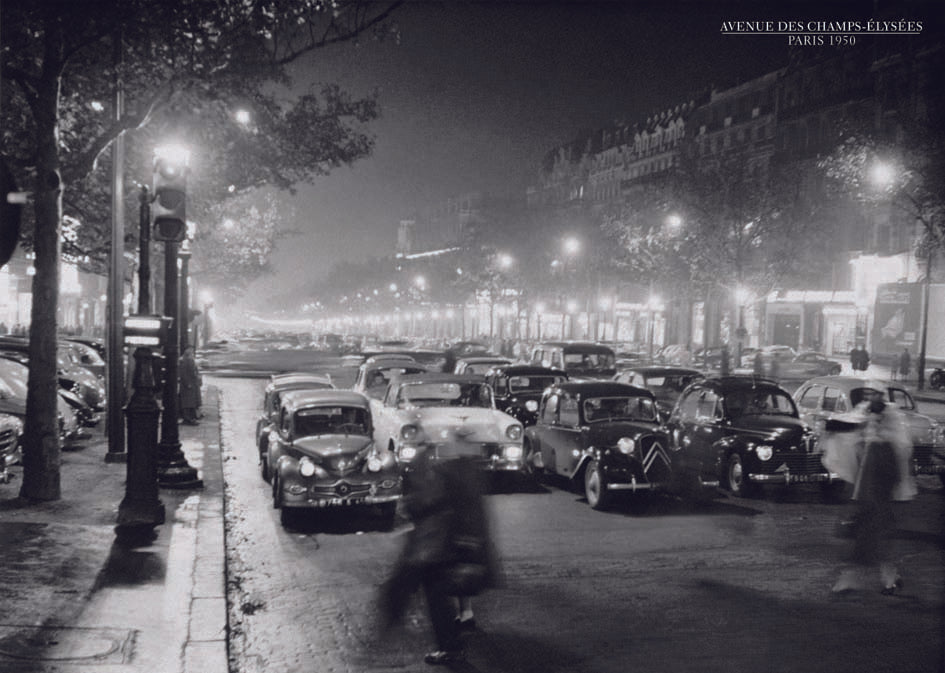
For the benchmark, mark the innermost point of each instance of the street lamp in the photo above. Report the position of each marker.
(170, 226)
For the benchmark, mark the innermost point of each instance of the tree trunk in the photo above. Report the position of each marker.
(41, 434)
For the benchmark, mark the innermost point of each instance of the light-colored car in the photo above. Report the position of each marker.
(447, 416)
(279, 384)
(376, 374)
(478, 364)
(324, 455)
(808, 364)
(823, 398)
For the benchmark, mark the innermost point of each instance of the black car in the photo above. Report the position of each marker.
(665, 382)
(580, 359)
(603, 436)
(743, 431)
(517, 389)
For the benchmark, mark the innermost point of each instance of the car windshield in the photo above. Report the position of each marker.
(670, 384)
(383, 376)
(759, 402)
(635, 408)
(331, 420)
(588, 361)
(445, 394)
(534, 383)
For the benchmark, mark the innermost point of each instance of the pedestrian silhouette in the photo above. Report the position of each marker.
(905, 364)
(448, 553)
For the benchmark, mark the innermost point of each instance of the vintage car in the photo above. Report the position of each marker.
(85, 355)
(323, 455)
(666, 383)
(448, 416)
(603, 436)
(375, 374)
(744, 431)
(11, 428)
(578, 358)
(279, 384)
(823, 398)
(478, 364)
(13, 387)
(517, 389)
(806, 365)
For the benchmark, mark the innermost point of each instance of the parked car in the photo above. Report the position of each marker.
(580, 359)
(375, 374)
(11, 429)
(324, 455)
(518, 388)
(744, 431)
(84, 355)
(666, 383)
(71, 376)
(808, 364)
(478, 364)
(13, 384)
(272, 401)
(447, 416)
(824, 397)
(602, 435)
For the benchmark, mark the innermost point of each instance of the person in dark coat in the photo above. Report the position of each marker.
(859, 358)
(448, 553)
(905, 364)
(189, 387)
(759, 364)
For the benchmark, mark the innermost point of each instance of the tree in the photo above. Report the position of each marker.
(63, 58)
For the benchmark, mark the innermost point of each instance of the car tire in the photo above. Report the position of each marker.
(276, 493)
(736, 480)
(595, 487)
(835, 370)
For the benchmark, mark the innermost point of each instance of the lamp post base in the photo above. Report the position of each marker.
(173, 469)
(134, 515)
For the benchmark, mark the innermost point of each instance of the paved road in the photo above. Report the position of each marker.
(730, 585)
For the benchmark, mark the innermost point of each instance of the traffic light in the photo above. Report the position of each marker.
(170, 194)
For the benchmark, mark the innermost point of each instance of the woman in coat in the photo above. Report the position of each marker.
(189, 392)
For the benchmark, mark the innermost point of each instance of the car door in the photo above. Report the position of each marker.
(708, 428)
(809, 402)
(567, 435)
(681, 427)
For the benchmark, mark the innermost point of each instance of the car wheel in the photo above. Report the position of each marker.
(595, 487)
(736, 478)
(835, 370)
(276, 493)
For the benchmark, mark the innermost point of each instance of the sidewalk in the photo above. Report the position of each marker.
(74, 601)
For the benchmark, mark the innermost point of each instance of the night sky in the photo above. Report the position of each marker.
(475, 94)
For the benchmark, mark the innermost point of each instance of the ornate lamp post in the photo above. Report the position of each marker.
(170, 171)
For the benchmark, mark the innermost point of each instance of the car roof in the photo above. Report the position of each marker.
(296, 378)
(479, 359)
(295, 399)
(512, 370)
(578, 346)
(437, 377)
(663, 371)
(737, 382)
(850, 382)
(601, 388)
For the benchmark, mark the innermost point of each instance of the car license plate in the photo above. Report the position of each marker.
(337, 502)
(807, 478)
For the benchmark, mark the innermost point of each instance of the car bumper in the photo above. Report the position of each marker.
(793, 478)
(341, 493)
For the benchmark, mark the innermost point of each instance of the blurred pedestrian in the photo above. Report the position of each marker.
(448, 553)
(724, 361)
(880, 452)
(859, 358)
(905, 364)
(758, 365)
(189, 394)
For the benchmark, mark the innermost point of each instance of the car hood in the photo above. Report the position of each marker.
(473, 424)
(607, 433)
(772, 427)
(332, 445)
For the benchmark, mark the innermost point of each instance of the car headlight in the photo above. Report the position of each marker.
(764, 451)
(531, 405)
(408, 453)
(306, 467)
(514, 432)
(374, 464)
(408, 433)
(512, 452)
(626, 445)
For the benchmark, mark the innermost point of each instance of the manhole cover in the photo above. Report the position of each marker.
(102, 645)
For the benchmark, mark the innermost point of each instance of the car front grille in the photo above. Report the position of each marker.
(801, 463)
(340, 489)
